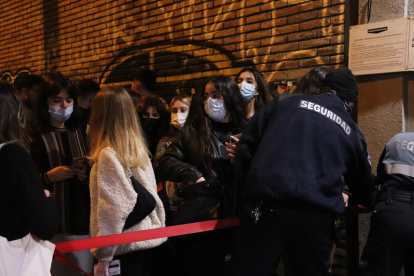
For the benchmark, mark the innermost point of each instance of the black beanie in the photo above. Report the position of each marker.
(343, 82)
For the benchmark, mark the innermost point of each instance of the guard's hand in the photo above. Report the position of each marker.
(102, 269)
(346, 198)
(201, 179)
(47, 193)
(60, 173)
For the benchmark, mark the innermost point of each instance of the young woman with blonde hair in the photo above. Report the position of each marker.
(118, 151)
(179, 107)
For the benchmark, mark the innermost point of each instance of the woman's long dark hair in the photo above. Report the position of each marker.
(197, 128)
(52, 86)
(311, 82)
(262, 87)
(11, 115)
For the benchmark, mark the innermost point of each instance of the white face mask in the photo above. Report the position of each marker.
(215, 109)
(247, 90)
(178, 119)
(60, 114)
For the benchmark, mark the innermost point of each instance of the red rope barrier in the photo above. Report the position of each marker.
(143, 235)
(165, 232)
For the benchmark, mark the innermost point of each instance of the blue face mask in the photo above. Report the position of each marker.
(247, 90)
(60, 114)
(215, 109)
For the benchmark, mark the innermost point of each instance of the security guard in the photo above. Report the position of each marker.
(390, 244)
(291, 158)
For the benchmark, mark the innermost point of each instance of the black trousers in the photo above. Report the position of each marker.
(390, 244)
(150, 262)
(203, 254)
(305, 235)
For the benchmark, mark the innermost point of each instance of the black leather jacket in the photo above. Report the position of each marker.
(181, 163)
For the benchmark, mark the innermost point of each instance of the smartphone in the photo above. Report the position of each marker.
(238, 136)
(114, 268)
(234, 142)
(79, 163)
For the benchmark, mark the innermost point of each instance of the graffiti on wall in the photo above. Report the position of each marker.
(10, 77)
(181, 68)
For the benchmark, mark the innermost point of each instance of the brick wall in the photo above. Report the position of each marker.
(184, 41)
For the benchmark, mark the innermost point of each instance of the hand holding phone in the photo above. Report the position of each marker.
(80, 166)
(231, 146)
(60, 173)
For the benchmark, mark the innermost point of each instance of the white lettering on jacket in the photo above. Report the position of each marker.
(327, 114)
(405, 145)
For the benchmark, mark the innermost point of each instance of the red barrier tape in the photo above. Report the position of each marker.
(165, 232)
(137, 236)
(62, 258)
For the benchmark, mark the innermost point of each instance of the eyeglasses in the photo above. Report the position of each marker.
(214, 96)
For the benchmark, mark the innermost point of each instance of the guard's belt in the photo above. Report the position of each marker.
(391, 195)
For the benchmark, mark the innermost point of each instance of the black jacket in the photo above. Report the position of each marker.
(24, 207)
(180, 162)
(295, 151)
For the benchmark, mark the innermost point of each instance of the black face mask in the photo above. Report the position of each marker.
(150, 127)
(85, 114)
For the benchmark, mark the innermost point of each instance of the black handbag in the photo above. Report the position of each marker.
(201, 201)
(144, 206)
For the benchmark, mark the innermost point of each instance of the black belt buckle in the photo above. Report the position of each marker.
(390, 199)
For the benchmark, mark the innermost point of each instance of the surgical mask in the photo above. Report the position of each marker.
(178, 119)
(215, 109)
(247, 90)
(60, 114)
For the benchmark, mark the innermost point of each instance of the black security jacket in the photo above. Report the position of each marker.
(181, 162)
(294, 152)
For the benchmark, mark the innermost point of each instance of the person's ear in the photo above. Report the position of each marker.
(23, 95)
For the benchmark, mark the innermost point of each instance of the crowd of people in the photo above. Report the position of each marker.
(78, 161)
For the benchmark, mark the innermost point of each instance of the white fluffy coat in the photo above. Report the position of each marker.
(113, 198)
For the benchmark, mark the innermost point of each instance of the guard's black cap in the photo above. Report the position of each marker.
(344, 83)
